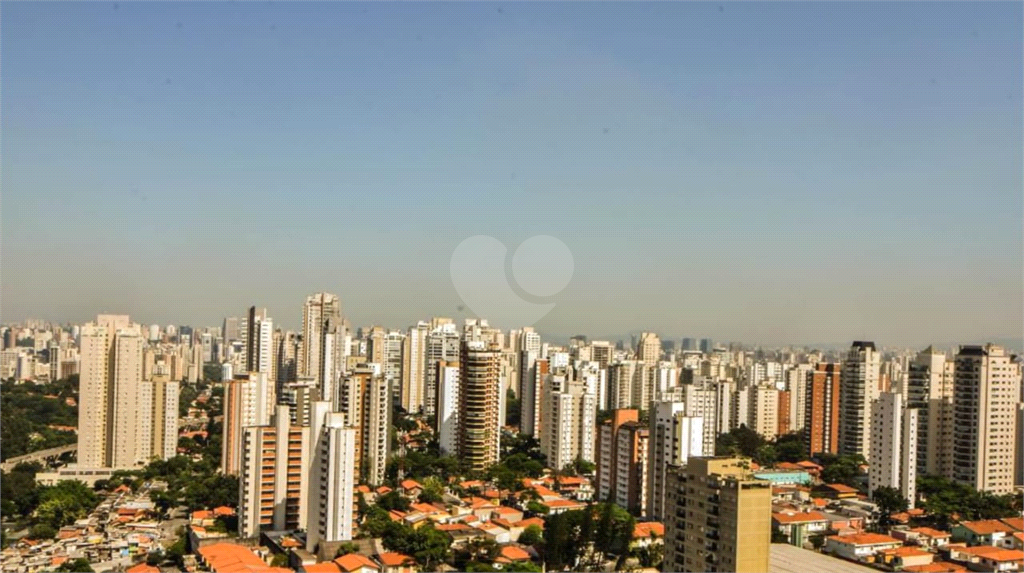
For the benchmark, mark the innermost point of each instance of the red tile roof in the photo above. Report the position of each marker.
(866, 539)
(143, 568)
(936, 567)
(648, 529)
(512, 553)
(787, 517)
(392, 559)
(355, 561)
(231, 558)
(987, 527)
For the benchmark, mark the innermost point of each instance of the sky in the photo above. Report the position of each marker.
(767, 173)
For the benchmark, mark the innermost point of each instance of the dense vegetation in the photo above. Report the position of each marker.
(743, 441)
(43, 509)
(26, 412)
(946, 501)
(584, 539)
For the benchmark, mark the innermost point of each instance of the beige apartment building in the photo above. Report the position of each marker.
(479, 404)
(986, 392)
(718, 517)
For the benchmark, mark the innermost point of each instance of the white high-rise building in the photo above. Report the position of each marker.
(796, 384)
(986, 391)
(248, 401)
(448, 406)
(894, 448)
(332, 484)
(114, 418)
(259, 346)
(570, 419)
(365, 398)
(533, 393)
(322, 332)
(674, 438)
(442, 346)
(414, 365)
(858, 389)
(622, 383)
(764, 410)
(929, 383)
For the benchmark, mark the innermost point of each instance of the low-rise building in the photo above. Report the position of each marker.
(860, 546)
(799, 526)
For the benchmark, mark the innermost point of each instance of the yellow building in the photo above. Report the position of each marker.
(718, 517)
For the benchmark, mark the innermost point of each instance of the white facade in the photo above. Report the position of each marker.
(332, 488)
(674, 438)
(570, 418)
(858, 389)
(448, 407)
(894, 436)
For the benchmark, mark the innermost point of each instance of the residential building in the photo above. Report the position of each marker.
(272, 483)
(648, 348)
(248, 401)
(858, 389)
(622, 448)
(442, 346)
(930, 390)
(894, 446)
(332, 482)
(364, 397)
(479, 404)
(570, 418)
(718, 517)
(414, 367)
(986, 391)
(320, 352)
(822, 411)
(674, 439)
(447, 377)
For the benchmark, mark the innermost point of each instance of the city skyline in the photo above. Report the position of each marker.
(764, 173)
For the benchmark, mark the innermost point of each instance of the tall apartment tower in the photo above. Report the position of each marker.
(858, 389)
(414, 367)
(718, 517)
(272, 480)
(320, 350)
(894, 447)
(364, 397)
(986, 391)
(822, 412)
(622, 460)
(442, 346)
(929, 384)
(763, 413)
(531, 418)
(479, 404)
(332, 485)
(796, 385)
(648, 348)
(570, 416)
(674, 439)
(447, 376)
(248, 401)
(110, 419)
(602, 352)
(259, 344)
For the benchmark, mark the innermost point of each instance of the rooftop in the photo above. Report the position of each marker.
(785, 558)
(865, 539)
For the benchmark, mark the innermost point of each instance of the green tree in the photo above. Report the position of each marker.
(817, 541)
(513, 408)
(888, 500)
(393, 501)
(346, 548)
(433, 490)
(532, 535)
(279, 560)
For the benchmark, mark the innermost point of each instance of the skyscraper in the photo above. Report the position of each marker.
(718, 517)
(112, 411)
(442, 345)
(479, 405)
(622, 460)
(364, 397)
(674, 439)
(858, 389)
(259, 345)
(272, 480)
(537, 374)
(447, 375)
(248, 401)
(648, 348)
(930, 390)
(706, 345)
(570, 418)
(894, 451)
(331, 484)
(986, 391)
(822, 414)
(320, 350)
(414, 367)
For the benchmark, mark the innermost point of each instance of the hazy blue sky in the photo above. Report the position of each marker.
(768, 173)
